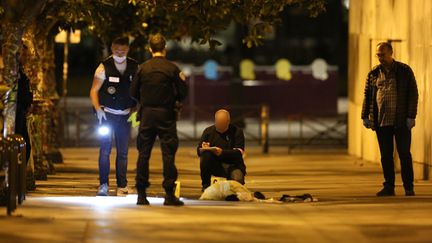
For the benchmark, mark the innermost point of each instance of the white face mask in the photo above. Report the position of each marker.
(118, 59)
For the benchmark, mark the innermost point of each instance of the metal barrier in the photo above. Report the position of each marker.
(13, 171)
(238, 115)
(303, 130)
(78, 127)
(317, 130)
(79, 124)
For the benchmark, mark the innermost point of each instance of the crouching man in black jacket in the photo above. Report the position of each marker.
(221, 151)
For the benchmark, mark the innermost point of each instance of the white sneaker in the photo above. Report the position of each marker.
(122, 191)
(103, 190)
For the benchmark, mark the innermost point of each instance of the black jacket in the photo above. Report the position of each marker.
(407, 95)
(227, 141)
(157, 83)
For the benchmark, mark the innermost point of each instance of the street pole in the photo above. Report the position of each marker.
(65, 79)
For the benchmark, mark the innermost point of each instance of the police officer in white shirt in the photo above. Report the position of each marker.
(110, 98)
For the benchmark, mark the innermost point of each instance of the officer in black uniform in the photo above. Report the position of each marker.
(111, 100)
(158, 86)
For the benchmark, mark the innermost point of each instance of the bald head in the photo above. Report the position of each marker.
(222, 120)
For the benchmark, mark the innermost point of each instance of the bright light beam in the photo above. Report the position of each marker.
(103, 130)
(102, 202)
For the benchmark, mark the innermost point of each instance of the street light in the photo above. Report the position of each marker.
(67, 38)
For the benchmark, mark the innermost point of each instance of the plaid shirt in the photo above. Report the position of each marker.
(406, 95)
(386, 96)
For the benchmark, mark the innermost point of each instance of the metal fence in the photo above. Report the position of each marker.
(294, 132)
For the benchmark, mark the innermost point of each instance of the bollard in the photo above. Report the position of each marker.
(3, 170)
(13, 164)
(22, 167)
(265, 117)
(11, 174)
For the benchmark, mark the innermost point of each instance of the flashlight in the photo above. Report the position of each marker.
(103, 130)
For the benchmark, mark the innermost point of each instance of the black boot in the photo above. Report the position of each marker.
(142, 198)
(386, 192)
(172, 200)
(409, 192)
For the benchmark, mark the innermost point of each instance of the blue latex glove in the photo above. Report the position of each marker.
(367, 123)
(100, 115)
(410, 123)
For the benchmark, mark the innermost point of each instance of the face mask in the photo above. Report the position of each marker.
(119, 59)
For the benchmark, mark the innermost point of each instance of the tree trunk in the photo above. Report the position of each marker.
(41, 118)
(13, 34)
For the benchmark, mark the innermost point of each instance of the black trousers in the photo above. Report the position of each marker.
(403, 144)
(211, 164)
(157, 122)
(21, 129)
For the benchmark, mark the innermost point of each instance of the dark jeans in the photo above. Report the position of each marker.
(403, 144)
(120, 128)
(157, 122)
(210, 164)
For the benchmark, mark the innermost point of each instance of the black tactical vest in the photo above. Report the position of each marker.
(114, 92)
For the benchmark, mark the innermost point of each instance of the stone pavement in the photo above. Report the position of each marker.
(64, 208)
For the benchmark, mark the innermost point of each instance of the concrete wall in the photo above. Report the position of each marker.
(409, 22)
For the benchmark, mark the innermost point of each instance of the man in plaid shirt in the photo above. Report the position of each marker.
(390, 108)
